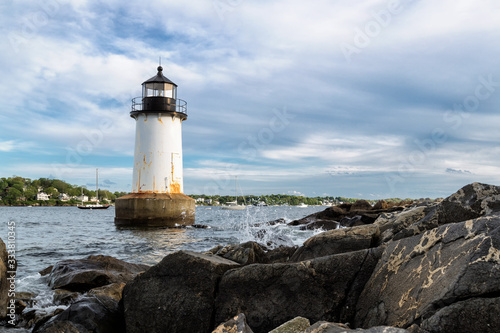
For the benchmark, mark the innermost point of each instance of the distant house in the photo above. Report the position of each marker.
(64, 197)
(200, 200)
(42, 196)
(82, 198)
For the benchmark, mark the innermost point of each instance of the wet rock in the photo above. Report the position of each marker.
(64, 297)
(334, 213)
(280, 254)
(113, 290)
(237, 324)
(321, 224)
(46, 271)
(37, 317)
(417, 276)
(471, 201)
(99, 314)
(176, 295)
(244, 254)
(296, 325)
(318, 289)
(355, 214)
(337, 241)
(472, 315)
(94, 271)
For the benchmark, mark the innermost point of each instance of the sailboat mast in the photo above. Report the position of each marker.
(96, 186)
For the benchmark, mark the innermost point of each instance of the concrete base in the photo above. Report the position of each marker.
(154, 210)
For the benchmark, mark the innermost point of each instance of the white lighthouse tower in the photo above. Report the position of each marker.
(157, 197)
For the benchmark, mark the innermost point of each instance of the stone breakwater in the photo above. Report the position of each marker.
(422, 268)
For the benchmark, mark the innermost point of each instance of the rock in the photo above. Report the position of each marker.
(321, 224)
(337, 241)
(334, 213)
(471, 201)
(113, 290)
(326, 327)
(237, 324)
(46, 271)
(36, 318)
(64, 297)
(176, 295)
(360, 205)
(345, 213)
(417, 276)
(350, 222)
(296, 325)
(26, 297)
(280, 254)
(324, 288)
(472, 315)
(244, 254)
(63, 327)
(99, 314)
(94, 271)
(381, 204)
(393, 223)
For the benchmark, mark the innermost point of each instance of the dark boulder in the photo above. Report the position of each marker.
(338, 241)
(92, 272)
(99, 314)
(471, 201)
(321, 224)
(334, 213)
(244, 254)
(362, 205)
(176, 295)
(472, 315)
(418, 276)
(381, 204)
(280, 254)
(325, 288)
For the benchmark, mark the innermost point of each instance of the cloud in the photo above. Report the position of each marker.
(67, 84)
(458, 171)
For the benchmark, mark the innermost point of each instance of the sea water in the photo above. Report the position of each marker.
(46, 235)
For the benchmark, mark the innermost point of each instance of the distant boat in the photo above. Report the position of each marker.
(97, 205)
(233, 205)
(302, 205)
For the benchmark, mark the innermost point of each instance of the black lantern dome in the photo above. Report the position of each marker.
(159, 95)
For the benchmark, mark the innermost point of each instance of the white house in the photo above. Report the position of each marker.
(64, 197)
(42, 196)
(82, 198)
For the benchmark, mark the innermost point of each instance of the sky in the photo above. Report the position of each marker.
(364, 99)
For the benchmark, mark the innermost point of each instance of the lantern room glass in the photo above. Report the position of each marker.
(159, 89)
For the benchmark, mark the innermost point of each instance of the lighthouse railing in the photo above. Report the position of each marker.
(180, 105)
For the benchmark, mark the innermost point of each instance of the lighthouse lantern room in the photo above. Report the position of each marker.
(157, 197)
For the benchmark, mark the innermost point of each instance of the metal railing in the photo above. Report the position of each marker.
(180, 105)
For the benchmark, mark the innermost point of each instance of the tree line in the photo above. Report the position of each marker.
(19, 191)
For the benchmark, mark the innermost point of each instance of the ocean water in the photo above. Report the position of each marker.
(46, 235)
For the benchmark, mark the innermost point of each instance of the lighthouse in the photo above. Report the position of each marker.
(157, 197)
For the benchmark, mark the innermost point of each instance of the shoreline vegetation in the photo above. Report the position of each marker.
(20, 192)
